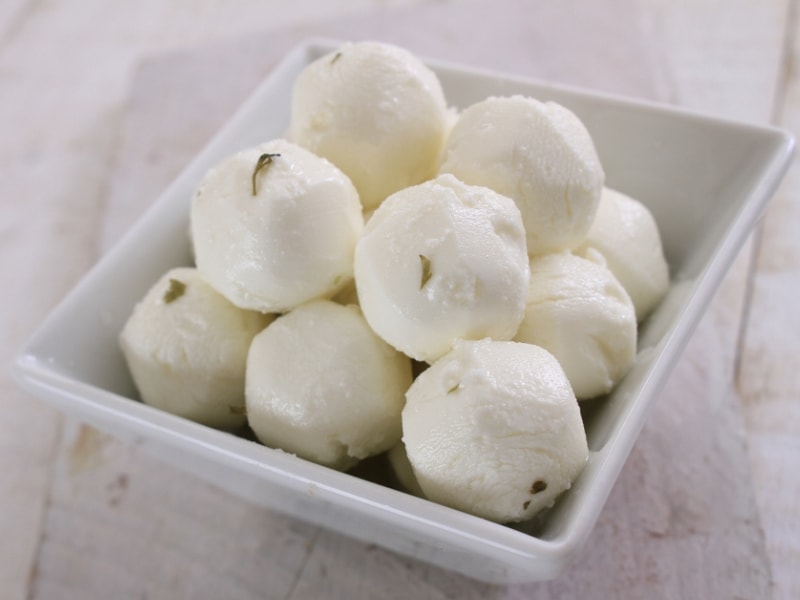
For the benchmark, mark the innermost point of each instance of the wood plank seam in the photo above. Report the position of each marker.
(48, 501)
(786, 68)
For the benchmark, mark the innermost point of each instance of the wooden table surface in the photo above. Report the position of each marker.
(94, 122)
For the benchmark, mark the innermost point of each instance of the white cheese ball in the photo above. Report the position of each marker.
(442, 261)
(626, 234)
(322, 385)
(493, 429)
(540, 155)
(375, 111)
(289, 242)
(186, 348)
(579, 312)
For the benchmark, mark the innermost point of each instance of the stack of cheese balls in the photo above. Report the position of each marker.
(388, 228)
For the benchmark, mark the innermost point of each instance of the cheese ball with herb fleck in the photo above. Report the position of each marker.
(493, 429)
(322, 385)
(186, 349)
(275, 226)
(442, 261)
(375, 111)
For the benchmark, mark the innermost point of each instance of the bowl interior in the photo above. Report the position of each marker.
(705, 180)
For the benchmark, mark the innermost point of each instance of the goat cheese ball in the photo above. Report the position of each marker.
(493, 428)
(579, 312)
(186, 348)
(275, 226)
(375, 111)
(442, 261)
(538, 154)
(322, 385)
(626, 234)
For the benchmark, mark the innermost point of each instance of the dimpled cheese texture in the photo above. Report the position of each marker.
(322, 385)
(442, 261)
(626, 234)
(290, 242)
(579, 312)
(493, 429)
(186, 348)
(375, 111)
(540, 155)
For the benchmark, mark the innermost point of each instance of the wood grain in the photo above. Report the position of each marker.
(769, 378)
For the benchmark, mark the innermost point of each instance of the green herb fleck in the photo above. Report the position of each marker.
(336, 57)
(426, 270)
(175, 291)
(238, 410)
(526, 504)
(263, 161)
(454, 388)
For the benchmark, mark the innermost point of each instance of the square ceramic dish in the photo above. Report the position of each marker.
(707, 181)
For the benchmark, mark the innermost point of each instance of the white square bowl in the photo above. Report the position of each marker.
(707, 181)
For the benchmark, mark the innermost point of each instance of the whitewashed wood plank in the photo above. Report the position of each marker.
(726, 60)
(741, 76)
(769, 377)
(39, 218)
(124, 526)
(724, 56)
(13, 16)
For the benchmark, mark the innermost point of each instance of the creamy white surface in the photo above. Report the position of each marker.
(442, 261)
(626, 234)
(291, 242)
(579, 312)
(486, 422)
(374, 110)
(540, 155)
(188, 356)
(322, 385)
